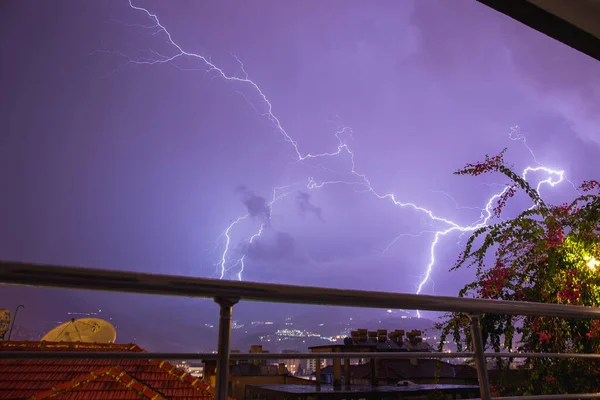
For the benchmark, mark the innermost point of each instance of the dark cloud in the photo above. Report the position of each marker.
(466, 40)
(273, 246)
(454, 37)
(305, 206)
(257, 206)
(565, 81)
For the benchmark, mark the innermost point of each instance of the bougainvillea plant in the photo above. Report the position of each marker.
(547, 254)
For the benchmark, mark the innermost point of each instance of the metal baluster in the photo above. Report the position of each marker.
(223, 350)
(480, 360)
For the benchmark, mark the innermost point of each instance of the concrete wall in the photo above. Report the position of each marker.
(238, 383)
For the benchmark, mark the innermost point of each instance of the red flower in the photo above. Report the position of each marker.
(506, 194)
(594, 332)
(544, 336)
(495, 390)
(495, 281)
(561, 211)
(587, 186)
(490, 164)
(571, 291)
(555, 235)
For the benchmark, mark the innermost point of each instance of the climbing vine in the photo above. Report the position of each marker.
(548, 254)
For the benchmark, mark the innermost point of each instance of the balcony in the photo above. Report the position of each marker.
(228, 293)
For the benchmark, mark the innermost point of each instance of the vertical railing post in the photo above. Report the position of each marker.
(480, 360)
(347, 373)
(318, 373)
(337, 373)
(223, 350)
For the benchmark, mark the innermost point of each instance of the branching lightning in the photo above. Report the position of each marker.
(225, 260)
(358, 180)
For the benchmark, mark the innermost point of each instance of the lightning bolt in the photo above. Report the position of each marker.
(250, 241)
(517, 135)
(225, 260)
(225, 255)
(357, 180)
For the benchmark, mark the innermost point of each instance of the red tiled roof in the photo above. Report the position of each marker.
(62, 379)
(98, 381)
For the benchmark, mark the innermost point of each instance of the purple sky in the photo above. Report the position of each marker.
(110, 164)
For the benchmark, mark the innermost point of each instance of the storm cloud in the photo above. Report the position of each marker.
(110, 164)
(306, 207)
(257, 206)
(273, 246)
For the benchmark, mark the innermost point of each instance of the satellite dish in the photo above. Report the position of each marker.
(5, 318)
(87, 330)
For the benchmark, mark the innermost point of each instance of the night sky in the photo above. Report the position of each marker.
(116, 155)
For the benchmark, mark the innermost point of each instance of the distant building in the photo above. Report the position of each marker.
(420, 371)
(194, 369)
(291, 364)
(94, 379)
(381, 371)
(371, 377)
(308, 367)
(252, 372)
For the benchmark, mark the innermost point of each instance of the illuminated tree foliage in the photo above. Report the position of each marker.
(548, 254)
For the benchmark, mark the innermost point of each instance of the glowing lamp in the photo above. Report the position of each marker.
(592, 263)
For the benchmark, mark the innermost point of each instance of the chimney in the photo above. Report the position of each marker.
(362, 335)
(414, 337)
(257, 348)
(397, 335)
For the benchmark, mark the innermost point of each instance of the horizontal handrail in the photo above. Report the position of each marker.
(76, 355)
(551, 397)
(134, 282)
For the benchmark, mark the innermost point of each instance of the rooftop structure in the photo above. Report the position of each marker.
(88, 330)
(306, 392)
(244, 372)
(363, 340)
(425, 370)
(94, 379)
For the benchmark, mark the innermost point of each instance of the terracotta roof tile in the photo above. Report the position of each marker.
(100, 381)
(94, 379)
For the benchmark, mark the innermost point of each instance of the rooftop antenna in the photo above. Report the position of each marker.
(87, 330)
(14, 319)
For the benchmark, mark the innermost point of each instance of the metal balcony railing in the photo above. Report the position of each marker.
(229, 293)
